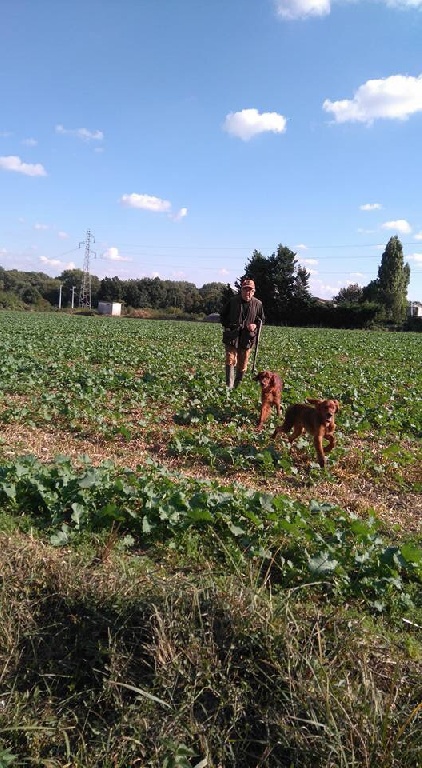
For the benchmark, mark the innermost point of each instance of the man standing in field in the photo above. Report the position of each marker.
(241, 319)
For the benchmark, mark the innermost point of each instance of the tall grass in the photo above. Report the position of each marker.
(111, 660)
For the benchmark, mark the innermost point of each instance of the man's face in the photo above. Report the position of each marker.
(246, 292)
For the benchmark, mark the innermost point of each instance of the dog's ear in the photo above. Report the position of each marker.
(313, 400)
(337, 404)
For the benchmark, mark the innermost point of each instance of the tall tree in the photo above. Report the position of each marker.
(301, 291)
(394, 278)
(390, 288)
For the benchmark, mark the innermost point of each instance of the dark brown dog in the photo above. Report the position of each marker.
(271, 389)
(317, 419)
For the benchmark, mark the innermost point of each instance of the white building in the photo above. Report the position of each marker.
(110, 308)
(414, 308)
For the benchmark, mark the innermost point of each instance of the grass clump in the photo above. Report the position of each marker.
(112, 659)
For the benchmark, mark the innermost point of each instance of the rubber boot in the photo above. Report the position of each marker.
(230, 376)
(238, 379)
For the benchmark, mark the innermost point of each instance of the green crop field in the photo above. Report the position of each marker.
(178, 589)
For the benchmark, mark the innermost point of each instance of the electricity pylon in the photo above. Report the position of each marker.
(85, 292)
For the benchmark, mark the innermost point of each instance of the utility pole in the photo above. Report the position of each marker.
(85, 292)
(73, 295)
(60, 296)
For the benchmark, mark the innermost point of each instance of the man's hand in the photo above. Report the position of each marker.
(251, 327)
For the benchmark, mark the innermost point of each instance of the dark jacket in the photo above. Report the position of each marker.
(238, 314)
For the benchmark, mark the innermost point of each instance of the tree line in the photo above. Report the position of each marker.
(282, 284)
(37, 290)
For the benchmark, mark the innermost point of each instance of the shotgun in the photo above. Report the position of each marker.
(256, 347)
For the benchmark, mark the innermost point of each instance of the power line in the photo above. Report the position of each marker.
(66, 253)
(250, 248)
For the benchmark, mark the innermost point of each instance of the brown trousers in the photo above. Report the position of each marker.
(237, 357)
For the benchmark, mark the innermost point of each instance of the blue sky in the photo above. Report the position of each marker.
(184, 134)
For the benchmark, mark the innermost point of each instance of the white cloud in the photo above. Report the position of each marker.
(249, 123)
(146, 203)
(14, 163)
(57, 263)
(404, 4)
(302, 9)
(324, 290)
(309, 261)
(301, 247)
(81, 133)
(371, 207)
(30, 142)
(63, 235)
(418, 236)
(112, 254)
(400, 225)
(154, 204)
(415, 257)
(396, 98)
(50, 262)
(40, 226)
(179, 215)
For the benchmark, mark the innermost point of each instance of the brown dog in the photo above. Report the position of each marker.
(271, 389)
(317, 421)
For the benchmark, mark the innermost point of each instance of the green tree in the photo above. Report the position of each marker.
(393, 279)
(227, 294)
(131, 294)
(281, 283)
(70, 279)
(111, 289)
(30, 294)
(352, 294)
(212, 296)
(389, 290)
(301, 292)
(153, 292)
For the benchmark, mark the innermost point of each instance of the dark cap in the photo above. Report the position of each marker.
(247, 283)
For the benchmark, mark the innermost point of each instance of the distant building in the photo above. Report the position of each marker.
(110, 308)
(414, 309)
